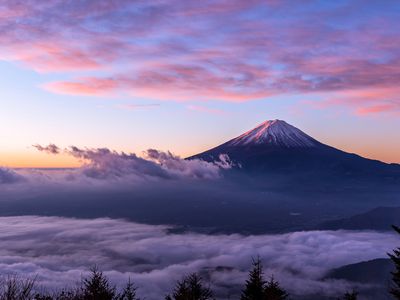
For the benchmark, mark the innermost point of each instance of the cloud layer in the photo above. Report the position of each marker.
(105, 164)
(225, 50)
(60, 250)
(105, 167)
(9, 176)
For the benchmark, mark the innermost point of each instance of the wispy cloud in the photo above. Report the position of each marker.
(362, 102)
(51, 148)
(201, 50)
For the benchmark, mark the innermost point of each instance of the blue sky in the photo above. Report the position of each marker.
(186, 75)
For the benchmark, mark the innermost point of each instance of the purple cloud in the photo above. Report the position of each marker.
(106, 164)
(8, 176)
(60, 250)
(51, 148)
(200, 50)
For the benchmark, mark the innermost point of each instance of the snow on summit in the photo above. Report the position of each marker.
(276, 133)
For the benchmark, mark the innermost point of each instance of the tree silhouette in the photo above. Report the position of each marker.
(129, 292)
(190, 288)
(97, 287)
(65, 294)
(254, 288)
(257, 288)
(273, 291)
(15, 287)
(350, 295)
(395, 257)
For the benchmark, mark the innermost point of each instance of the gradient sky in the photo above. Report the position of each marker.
(185, 75)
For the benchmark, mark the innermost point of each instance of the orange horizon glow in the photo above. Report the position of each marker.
(37, 160)
(32, 159)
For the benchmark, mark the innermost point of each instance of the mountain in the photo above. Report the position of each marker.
(275, 133)
(372, 278)
(277, 147)
(380, 218)
(372, 271)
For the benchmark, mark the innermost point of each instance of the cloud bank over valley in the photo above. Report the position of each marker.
(60, 251)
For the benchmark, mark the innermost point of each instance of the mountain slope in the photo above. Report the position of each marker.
(380, 218)
(374, 277)
(274, 133)
(278, 147)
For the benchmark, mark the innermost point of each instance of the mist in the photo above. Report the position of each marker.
(61, 250)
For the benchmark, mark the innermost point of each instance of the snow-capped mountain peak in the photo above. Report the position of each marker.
(276, 133)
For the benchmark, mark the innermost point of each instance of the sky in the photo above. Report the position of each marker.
(186, 76)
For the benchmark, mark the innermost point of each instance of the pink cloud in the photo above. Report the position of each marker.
(87, 87)
(364, 102)
(391, 108)
(50, 57)
(201, 50)
(167, 82)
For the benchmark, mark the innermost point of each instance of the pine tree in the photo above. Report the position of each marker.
(257, 288)
(273, 291)
(191, 288)
(395, 257)
(97, 287)
(129, 292)
(255, 285)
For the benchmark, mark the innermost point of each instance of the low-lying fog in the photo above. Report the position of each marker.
(60, 250)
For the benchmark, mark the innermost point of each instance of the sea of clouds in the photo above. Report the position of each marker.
(59, 251)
